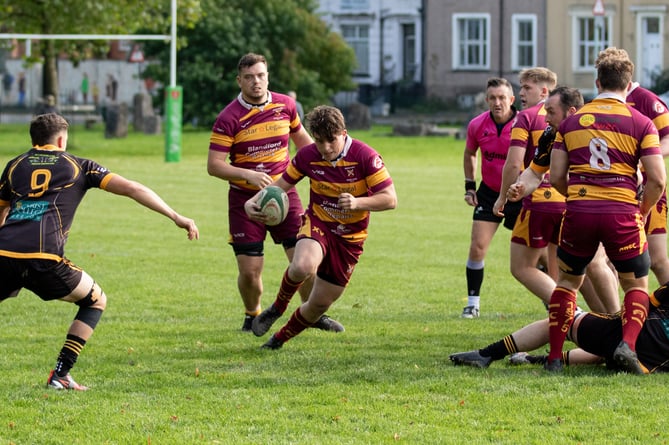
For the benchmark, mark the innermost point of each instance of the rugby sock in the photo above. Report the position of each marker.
(474, 275)
(69, 354)
(295, 325)
(253, 313)
(633, 315)
(565, 357)
(500, 349)
(560, 317)
(286, 291)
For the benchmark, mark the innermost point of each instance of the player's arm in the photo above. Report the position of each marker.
(559, 170)
(150, 199)
(531, 177)
(656, 177)
(301, 138)
(4, 211)
(512, 168)
(385, 199)
(469, 165)
(527, 182)
(218, 166)
(664, 146)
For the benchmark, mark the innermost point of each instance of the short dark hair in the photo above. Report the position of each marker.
(44, 127)
(569, 97)
(614, 68)
(249, 60)
(495, 82)
(325, 122)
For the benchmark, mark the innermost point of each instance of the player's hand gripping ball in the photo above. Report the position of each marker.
(273, 203)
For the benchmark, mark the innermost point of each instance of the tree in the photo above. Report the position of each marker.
(86, 17)
(302, 53)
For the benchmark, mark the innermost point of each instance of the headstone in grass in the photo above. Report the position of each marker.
(358, 116)
(116, 121)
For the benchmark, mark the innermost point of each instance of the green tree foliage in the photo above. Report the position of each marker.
(86, 17)
(302, 53)
(661, 82)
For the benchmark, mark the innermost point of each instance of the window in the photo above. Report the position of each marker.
(357, 36)
(592, 36)
(523, 41)
(409, 61)
(471, 45)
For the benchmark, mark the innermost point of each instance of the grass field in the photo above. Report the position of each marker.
(168, 364)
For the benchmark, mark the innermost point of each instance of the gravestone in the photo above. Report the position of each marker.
(116, 121)
(142, 108)
(358, 116)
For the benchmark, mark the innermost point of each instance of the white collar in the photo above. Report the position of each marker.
(250, 106)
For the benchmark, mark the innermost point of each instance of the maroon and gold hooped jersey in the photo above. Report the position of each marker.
(604, 142)
(256, 137)
(359, 170)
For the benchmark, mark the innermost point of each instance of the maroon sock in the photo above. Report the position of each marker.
(286, 291)
(295, 325)
(560, 317)
(634, 313)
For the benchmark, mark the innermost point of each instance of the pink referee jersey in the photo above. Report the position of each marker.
(604, 141)
(482, 133)
(256, 137)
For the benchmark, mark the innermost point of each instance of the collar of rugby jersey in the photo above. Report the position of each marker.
(250, 106)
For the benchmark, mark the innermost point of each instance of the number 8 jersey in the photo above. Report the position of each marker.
(604, 141)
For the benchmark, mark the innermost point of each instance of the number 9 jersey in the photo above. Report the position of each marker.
(43, 188)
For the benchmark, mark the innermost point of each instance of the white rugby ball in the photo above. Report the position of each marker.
(273, 202)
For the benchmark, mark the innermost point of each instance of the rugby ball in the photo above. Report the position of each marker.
(273, 203)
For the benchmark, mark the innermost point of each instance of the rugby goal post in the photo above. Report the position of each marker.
(173, 93)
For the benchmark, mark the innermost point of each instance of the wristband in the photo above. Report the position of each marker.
(470, 184)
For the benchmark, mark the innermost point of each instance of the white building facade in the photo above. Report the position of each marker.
(386, 36)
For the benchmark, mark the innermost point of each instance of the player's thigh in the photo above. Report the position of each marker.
(306, 256)
(523, 256)
(579, 234)
(597, 334)
(10, 278)
(482, 234)
(55, 280)
(87, 286)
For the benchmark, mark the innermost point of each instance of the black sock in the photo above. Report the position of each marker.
(500, 349)
(69, 354)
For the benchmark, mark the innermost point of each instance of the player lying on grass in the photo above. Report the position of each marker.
(596, 336)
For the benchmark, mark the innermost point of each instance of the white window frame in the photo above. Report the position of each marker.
(483, 43)
(356, 42)
(516, 43)
(577, 20)
(645, 12)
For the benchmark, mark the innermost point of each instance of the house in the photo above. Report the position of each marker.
(578, 29)
(386, 36)
(467, 41)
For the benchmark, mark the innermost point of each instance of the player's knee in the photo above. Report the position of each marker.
(301, 270)
(91, 307)
(95, 299)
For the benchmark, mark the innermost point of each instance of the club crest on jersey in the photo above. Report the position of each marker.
(586, 120)
(659, 107)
